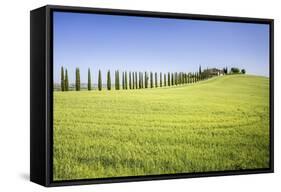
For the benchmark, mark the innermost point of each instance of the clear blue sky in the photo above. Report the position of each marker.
(155, 44)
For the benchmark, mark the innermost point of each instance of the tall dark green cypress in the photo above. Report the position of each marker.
(89, 80)
(169, 79)
(66, 83)
(156, 80)
(77, 82)
(62, 84)
(117, 82)
(145, 80)
(130, 80)
(172, 79)
(136, 80)
(133, 77)
(176, 78)
(126, 80)
(160, 79)
(108, 80)
(151, 80)
(99, 81)
(200, 70)
(140, 80)
(165, 82)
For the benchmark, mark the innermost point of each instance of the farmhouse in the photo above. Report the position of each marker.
(214, 71)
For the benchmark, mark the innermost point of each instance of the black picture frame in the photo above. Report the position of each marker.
(41, 94)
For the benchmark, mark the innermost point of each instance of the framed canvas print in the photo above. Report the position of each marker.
(122, 95)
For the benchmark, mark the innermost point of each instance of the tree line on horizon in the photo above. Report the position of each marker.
(140, 80)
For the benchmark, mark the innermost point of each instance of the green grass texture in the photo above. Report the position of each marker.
(219, 124)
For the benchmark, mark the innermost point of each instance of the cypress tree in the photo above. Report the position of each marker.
(133, 80)
(66, 88)
(130, 80)
(151, 80)
(160, 79)
(165, 83)
(140, 80)
(108, 80)
(77, 84)
(99, 81)
(145, 80)
(136, 80)
(156, 84)
(180, 79)
(117, 83)
(172, 79)
(176, 78)
(200, 70)
(89, 80)
(126, 80)
(169, 79)
(62, 84)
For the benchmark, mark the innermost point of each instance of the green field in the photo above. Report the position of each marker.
(214, 125)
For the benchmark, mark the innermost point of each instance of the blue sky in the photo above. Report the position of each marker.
(155, 44)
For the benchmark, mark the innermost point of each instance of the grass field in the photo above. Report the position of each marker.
(214, 125)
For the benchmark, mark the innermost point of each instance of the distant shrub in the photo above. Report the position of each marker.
(243, 71)
(235, 70)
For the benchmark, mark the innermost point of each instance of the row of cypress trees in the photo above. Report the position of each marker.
(135, 80)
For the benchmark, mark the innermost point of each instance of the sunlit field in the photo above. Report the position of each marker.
(214, 125)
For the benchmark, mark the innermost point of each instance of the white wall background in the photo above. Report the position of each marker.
(14, 94)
